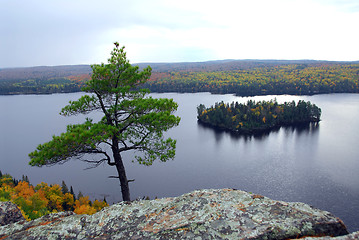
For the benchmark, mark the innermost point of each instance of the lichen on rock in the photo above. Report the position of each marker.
(201, 214)
(9, 213)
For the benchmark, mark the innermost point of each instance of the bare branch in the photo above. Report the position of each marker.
(95, 163)
(123, 142)
(95, 151)
(130, 180)
(107, 143)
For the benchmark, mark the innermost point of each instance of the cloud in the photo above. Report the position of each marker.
(66, 32)
(342, 5)
(42, 32)
(252, 29)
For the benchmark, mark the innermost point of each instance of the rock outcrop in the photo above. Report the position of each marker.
(351, 236)
(202, 214)
(9, 213)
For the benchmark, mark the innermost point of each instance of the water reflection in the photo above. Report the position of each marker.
(307, 128)
(218, 134)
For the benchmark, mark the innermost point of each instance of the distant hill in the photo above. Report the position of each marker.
(220, 76)
(43, 72)
(229, 65)
(48, 72)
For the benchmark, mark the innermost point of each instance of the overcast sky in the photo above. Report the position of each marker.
(65, 32)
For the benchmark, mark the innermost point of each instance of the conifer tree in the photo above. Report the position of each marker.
(131, 122)
(72, 192)
(64, 187)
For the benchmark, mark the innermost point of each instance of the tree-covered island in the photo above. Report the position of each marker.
(259, 116)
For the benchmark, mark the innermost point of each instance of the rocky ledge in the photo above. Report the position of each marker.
(9, 213)
(202, 214)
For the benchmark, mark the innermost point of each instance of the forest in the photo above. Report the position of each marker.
(254, 117)
(43, 80)
(240, 77)
(299, 79)
(39, 200)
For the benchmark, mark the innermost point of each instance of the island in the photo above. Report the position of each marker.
(254, 117)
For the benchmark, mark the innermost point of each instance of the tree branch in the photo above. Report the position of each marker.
(136, 145)
(95, 163)
(94, 151)
(108, 118)
(130, 180)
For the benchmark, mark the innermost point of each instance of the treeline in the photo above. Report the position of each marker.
(240, 77)
(43, 80)
(257, 116)
(39, 200)
(223, 65)
(299, 79)
(40, 86)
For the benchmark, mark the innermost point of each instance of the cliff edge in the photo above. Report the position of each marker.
(201, 214)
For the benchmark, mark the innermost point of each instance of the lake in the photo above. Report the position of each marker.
(317, 164)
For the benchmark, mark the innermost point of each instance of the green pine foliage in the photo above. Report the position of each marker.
(131, 121)
(257, 116)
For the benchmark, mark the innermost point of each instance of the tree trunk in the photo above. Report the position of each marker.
(125, 190)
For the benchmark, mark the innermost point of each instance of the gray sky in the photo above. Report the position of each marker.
(62, 32)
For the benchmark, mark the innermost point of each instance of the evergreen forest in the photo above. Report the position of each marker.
(254, 117)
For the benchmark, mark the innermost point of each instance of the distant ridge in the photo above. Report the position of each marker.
(241, 77)
(43, 72)
(228, 64)
(46, 72)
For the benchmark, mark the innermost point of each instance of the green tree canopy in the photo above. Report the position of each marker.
(131, 121)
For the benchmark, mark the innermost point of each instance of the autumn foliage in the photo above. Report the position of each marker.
(301, 79)
(239, 77)
(42, 199)
(258, 116)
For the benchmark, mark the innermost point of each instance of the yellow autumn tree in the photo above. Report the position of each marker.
(82, 206)
(35, 202)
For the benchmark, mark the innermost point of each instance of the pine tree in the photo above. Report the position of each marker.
(131, 121)
(72, 192)
(64, 188)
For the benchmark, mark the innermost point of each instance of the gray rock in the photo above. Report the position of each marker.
(9, 213)
(202, 214)
(352, 236)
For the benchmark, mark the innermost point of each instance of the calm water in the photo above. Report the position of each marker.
(317, 165)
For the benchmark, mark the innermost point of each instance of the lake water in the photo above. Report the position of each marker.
(318, 165)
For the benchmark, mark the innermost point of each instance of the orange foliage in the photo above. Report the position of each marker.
(80, 78)
(23, 189)
(37, 201)
(82, 206)
(156, 76)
